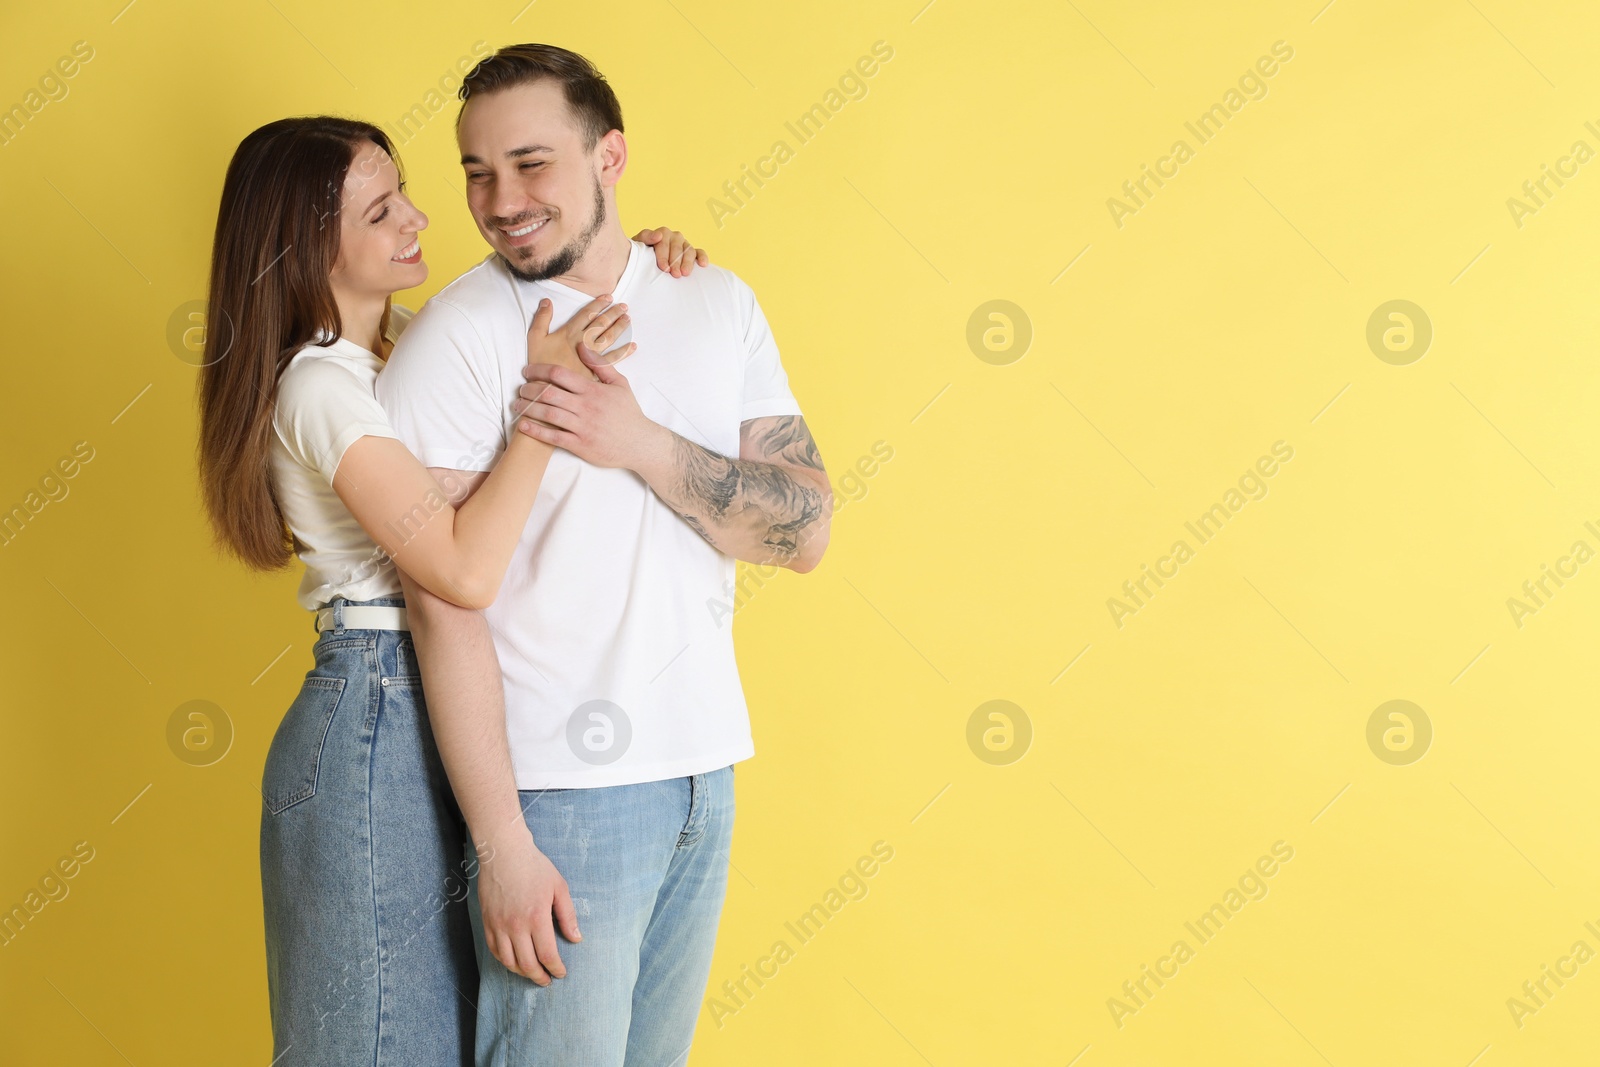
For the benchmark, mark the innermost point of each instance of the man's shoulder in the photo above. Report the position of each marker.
(716, 285)
(474, 298)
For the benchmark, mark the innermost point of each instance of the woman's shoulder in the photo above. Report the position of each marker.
(318, 375)
(399, 318)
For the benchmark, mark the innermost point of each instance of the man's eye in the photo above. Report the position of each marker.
(538, 163)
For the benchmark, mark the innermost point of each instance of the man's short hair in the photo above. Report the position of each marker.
(593, 105)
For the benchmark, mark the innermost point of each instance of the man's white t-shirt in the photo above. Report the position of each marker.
(325, 404)
(611, 625)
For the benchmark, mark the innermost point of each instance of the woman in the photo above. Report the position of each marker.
(369, 951)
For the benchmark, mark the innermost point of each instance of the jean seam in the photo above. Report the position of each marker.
(372, 863)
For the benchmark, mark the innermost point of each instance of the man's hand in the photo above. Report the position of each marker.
(674, 253)
(599, 420)
(518, 891)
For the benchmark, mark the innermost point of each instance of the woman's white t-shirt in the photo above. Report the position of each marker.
(325, 404)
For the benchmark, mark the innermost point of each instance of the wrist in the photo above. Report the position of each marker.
(502, 835)
(654, 445)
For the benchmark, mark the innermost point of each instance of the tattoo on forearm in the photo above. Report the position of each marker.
(716, 489)
(788, 441)
(699, 528)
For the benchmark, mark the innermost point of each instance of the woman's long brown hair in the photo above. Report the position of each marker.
(276, 243)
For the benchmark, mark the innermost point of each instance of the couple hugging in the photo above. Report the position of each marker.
(518, 501)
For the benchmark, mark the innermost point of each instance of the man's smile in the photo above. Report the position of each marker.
(523, 234)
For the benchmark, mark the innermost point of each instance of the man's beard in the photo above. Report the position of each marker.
(567, 257)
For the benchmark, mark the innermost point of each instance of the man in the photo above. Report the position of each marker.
(623, 712)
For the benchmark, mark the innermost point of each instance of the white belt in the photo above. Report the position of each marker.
(364, 618)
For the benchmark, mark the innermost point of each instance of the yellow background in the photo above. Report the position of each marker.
(1228, 714)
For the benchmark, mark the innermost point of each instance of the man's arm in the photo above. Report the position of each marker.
(772, 504)
(518, 887)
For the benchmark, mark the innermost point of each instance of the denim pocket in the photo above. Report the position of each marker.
(405, 661)
(292, 761)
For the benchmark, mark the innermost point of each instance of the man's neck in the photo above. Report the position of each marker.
(602, 265)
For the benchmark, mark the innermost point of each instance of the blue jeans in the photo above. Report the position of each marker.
(647, 866)
(369, 947)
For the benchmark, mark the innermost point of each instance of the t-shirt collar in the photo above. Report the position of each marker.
(346, 346)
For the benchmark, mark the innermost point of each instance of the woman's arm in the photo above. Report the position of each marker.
(461, 554)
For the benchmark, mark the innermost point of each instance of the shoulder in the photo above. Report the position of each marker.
(316, 368)
(460, 314)
(481, 290)
(718, 286)
(320, 377)
(323, 393)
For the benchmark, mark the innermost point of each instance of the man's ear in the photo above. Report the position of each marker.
(613, 158)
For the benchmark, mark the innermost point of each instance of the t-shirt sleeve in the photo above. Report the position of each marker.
(441, 391)
(321, 410)
(766, 385)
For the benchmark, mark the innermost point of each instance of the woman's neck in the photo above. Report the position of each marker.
(359, 318)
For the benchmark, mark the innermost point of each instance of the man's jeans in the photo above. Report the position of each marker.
(647, 866)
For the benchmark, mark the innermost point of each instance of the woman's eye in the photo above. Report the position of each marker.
(381, 216)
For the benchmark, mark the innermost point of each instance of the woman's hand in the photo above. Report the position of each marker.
(598, 325)
(674, 253)
(592, 330)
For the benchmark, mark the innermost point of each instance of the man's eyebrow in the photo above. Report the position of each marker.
(515, 153)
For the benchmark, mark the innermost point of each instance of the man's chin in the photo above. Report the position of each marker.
(525, 268)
